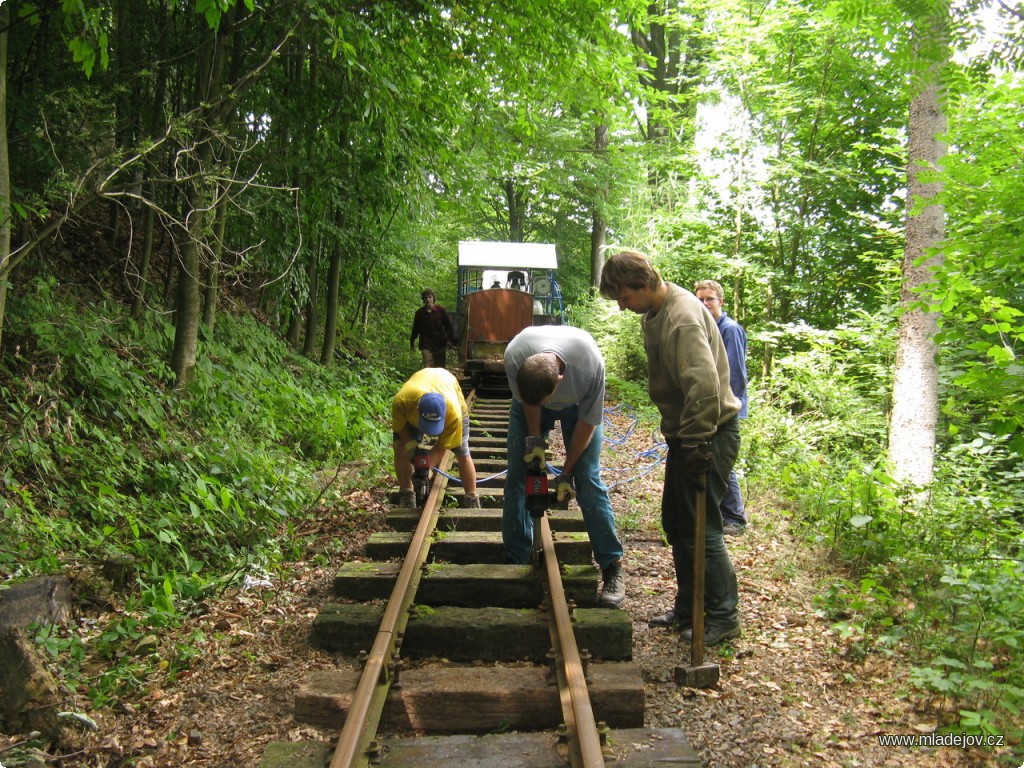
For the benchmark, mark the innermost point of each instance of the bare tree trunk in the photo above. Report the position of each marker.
(331, 310)
(599, 228)
(187, 305)
(366, 300)
(156, 119)
(915, 387)
(312, 320)
(212, 273)
(171, 270)
(5, 170)
(361, 317)
(188, 300)
(291, 335)
(142, 279)
(515, 199)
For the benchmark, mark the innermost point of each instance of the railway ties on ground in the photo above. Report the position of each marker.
(472, 662)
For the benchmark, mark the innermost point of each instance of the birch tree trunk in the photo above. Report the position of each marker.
(915, 386)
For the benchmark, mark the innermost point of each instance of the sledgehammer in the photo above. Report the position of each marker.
(698, 674)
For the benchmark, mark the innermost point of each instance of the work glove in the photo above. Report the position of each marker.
(535, 447)
(565, 489)
(410, 449)
(696, 464)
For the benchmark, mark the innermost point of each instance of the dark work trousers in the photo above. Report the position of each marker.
(678, 513)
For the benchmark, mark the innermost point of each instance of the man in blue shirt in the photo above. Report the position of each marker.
(734, 520)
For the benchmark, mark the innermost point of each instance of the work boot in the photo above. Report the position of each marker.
(713, 635)
(471, 501)
(406, 498)
(613, 591)
(733, 529)
(669, 619)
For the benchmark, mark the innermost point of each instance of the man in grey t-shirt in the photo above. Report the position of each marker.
(556, 373)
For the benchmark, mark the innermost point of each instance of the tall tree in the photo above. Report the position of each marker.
(209, 108)
(915, 384)
(674, 43)
(6, 209)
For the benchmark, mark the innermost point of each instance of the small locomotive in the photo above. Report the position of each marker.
(503, 288)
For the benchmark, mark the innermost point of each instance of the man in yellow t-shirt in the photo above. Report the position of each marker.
(431, 403)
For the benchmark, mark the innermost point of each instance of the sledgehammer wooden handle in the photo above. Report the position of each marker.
(699, 528)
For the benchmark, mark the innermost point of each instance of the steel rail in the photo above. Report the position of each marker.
(584, 741)
(361, 723)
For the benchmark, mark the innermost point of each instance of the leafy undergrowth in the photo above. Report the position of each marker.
(109, 473)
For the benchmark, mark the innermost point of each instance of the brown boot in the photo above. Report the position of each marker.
(471, 501)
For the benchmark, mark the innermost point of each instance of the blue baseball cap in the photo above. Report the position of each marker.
(432, 413)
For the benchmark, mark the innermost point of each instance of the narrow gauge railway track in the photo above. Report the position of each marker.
(467, 660)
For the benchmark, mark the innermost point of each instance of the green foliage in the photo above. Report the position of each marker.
(101, 458)
(87, 34)
(404, 128)
(863, 615)
(940, 580)
(824, 402)
(977, 289)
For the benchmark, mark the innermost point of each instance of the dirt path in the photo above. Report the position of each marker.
(788, 695)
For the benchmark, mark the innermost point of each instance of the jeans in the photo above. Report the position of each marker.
(591, 492)
(732, 503)
(678, 514)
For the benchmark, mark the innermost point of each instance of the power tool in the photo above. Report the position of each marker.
(421, 474)
(537, 496)
(535, 484)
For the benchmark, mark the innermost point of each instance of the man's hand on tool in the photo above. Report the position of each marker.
(535, 451)
(565, 490)
(697, 462)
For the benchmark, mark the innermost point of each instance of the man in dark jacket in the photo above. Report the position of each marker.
(433, 327)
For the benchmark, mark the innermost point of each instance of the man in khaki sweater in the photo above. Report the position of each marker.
(688, 380)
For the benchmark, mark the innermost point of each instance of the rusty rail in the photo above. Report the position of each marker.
(359, 732)
(581, 729)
